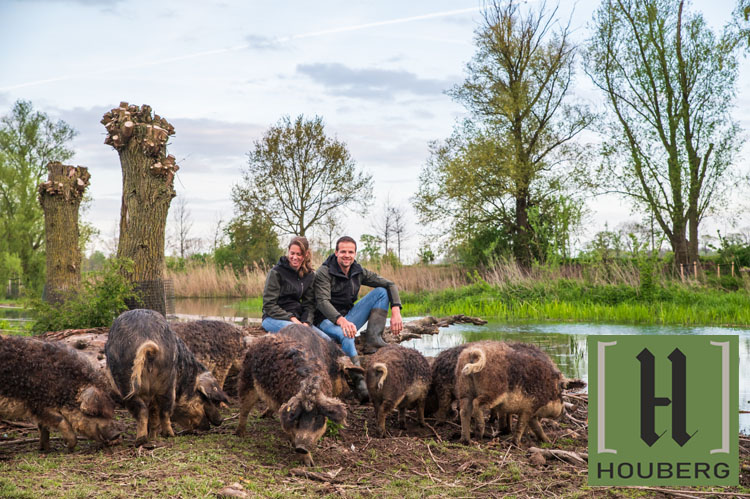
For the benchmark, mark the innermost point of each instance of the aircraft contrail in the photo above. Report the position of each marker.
(241, 47)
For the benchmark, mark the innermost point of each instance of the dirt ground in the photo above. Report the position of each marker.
(350, 462)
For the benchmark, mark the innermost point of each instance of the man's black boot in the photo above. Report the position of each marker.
(373, 335)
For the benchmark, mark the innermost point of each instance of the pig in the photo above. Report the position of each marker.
(218, 345)
(55, 387)
(287, 376)
(339, 365)
(158, 377)
(397, 378)
(442, 394)
(516, 379)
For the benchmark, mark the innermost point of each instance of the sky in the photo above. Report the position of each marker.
(222, 72)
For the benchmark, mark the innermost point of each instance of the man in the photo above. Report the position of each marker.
(337, 284)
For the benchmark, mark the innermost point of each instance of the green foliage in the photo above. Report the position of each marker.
(10, 266)
(250, 241)
(369, 248)
(28, 141)
(426, 256)
(515, 150)
(670, 85)
(333, 429)
(297, 175)
(101, 299)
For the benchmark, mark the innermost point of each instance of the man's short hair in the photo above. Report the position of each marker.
(346, 239)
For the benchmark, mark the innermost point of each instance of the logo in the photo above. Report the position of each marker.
(663, 410)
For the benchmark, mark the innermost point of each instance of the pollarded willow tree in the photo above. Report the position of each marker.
(60, 196)
(140, 139)
(513, 155)
(670, 84)
(297, 175)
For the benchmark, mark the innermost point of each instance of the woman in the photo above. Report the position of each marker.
(288, 296)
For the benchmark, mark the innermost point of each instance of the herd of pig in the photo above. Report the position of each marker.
(163, 372)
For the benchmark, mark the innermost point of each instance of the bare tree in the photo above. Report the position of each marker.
(183, 224)
(383, 224)
(399, 227)
(331, 226)
(218, 236)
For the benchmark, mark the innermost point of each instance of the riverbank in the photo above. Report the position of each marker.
(570, 300)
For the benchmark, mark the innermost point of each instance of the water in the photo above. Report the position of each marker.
(566, 344)
(213, 307)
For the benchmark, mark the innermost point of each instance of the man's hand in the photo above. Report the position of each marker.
(349, 328)
(295, 320)
(396, 324)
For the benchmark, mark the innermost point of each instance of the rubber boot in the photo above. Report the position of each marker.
(373, 335)
(358, 380)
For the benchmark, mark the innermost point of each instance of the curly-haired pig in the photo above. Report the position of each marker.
(397, 378)
(54, 386)
(287, 376)
(218, 345)
(158, 377)
(329, 353)
(441, 395)
(513, 378)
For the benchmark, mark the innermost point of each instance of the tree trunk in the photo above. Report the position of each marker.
(147, 190)
(521, 237)
(60, 197)
(693, 240)
(680, 246)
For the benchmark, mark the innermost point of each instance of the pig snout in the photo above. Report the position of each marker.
(109, 433)
(305, 454)
(213, 415)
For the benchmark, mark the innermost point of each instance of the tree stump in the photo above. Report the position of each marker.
(60, 197)
(140, 139)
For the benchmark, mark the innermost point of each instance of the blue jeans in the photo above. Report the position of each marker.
(360, 312)
(275, 325)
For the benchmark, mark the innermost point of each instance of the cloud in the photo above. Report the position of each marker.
(378, 84)
(260, 42)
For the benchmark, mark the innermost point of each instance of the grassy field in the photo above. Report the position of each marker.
(415, 462)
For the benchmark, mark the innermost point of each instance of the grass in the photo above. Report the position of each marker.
(572, 300)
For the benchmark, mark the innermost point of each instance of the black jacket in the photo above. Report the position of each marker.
(287, 295)
(336, 292)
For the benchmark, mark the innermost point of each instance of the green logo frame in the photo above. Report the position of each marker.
(663, 410)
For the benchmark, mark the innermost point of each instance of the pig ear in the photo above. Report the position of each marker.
(333, 409)
(209, 389)
(290, 411)
(345, 365)
(94, 403)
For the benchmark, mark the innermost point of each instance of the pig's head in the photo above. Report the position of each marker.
(93, 416)
(303, 417)
(345, 370)
(202, 409)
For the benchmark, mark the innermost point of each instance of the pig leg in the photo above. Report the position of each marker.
(247, 402)
(140, 413)
(478, 414)
(165, 405)
(43, 437)
(385, 408)
(68, 434)
(153, 421)
(465, 410)
(523, 421)
(420, 411)
(537, 429)
(402, 417)
(166, 425)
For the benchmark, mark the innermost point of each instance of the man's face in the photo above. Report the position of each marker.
(345, 254)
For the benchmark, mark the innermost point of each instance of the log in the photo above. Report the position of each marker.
(574, 458)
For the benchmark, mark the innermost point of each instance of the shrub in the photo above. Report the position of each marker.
(101, 298)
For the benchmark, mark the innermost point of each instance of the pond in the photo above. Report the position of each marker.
(566, 344)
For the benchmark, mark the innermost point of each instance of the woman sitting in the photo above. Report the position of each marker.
(288, 296)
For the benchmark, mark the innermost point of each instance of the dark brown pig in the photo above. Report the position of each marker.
(442, 387)
(516, 379)
(285, 374)
(53, 386)
(397, 378)
(218, 345)
(158, 377)
(338, 365)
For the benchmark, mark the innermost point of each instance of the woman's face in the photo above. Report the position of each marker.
(295, 256)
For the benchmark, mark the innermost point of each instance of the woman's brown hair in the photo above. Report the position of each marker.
(306, 266)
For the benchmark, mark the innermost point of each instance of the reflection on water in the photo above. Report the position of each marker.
(566, 344)
(213, 307)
